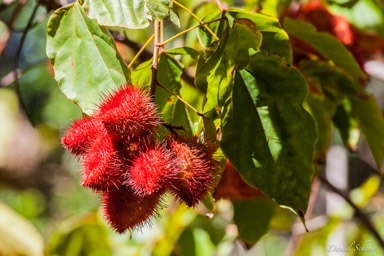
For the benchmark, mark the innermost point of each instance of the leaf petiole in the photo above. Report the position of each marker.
(141, 50)
(197, 18)
(181, 99)
(189, 29)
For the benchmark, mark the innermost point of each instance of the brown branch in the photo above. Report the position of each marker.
(17, 58)
(358, 212)
(50, 4)
(16, 13)
(156, 48)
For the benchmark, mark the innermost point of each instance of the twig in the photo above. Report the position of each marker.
(197, 18)
(9, 78)
(161, 35)
(145, 55)
(16, 12)
(358, 212)
(181, 99)
(172, 128)
(140, 51)
(17, 58)
(50, 4)
(189, 29)
(156, 46)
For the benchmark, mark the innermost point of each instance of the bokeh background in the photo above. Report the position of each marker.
(45, 211)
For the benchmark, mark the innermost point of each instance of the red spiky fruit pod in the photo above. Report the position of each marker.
(128, 113)
(124, 210)
(81, 135)
(103, 166)
(233, 187)
(196, 169)
(151, 171)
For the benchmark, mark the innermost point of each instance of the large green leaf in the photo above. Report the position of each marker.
(266, 133)
(275, 39)
(335, 82)
(322, 110)
(371, 123)
(326, 44)
(84, 57)
(127, 13)
(214, 74)
(252, 218)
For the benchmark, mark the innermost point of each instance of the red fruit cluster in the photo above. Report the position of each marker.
(125, 161)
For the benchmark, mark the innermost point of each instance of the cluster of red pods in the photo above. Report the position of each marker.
(131, 164)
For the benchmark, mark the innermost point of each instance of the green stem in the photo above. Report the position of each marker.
(181, 99)
(197, 18)
(140, 51)
(189, 29)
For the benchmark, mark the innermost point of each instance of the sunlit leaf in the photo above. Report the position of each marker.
(129, 14)
(84, 57)
(214, 74)
(275, 39)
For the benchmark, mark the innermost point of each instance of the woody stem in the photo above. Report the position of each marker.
(156, 47)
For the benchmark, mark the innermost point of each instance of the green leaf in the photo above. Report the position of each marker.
(371, 123)
(214, 74)
(181, 218)
(364, 193)
(345, 122)
(128, 14)
(17, 235)
(142, 75)
(184, 51)
(84, 57)
(174, 17)
(315, 242)
(275, 39)
(326, 44)
(266, 133)
(209, 203)
(205, 37)
(252, 218)
(322, 110)
(335, 82)
(168, 75)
